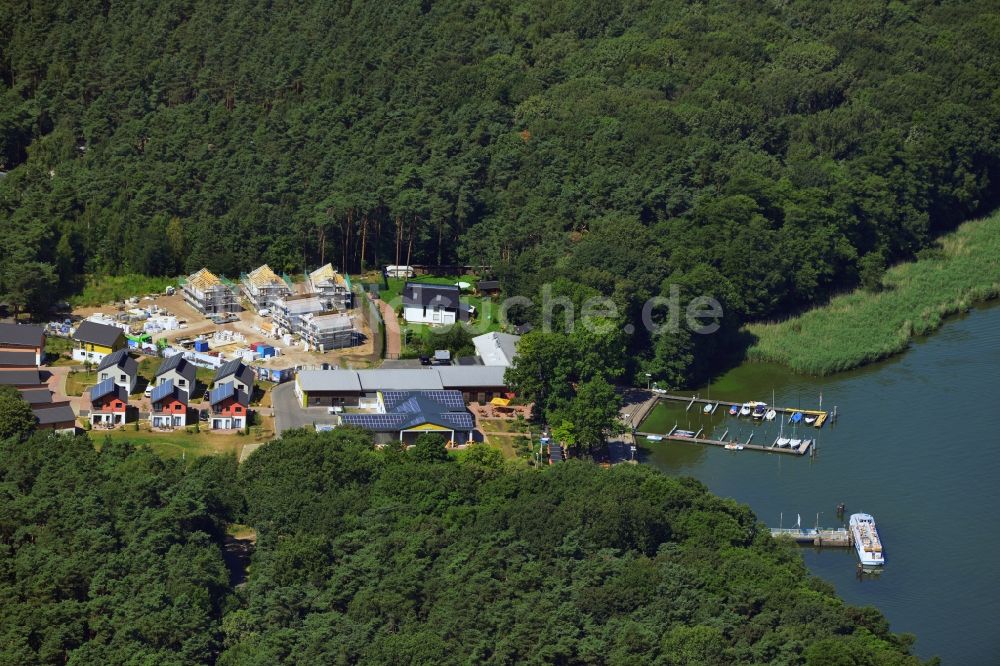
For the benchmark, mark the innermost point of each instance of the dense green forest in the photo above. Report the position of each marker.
(767, 153)
(394, 557)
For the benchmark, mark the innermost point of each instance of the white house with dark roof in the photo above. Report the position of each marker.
(177, 370)
(237, 372)
(121, 368)
(351, 388)
(425, 303)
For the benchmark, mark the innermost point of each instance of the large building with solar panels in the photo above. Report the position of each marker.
(360, 388)
(405, 415)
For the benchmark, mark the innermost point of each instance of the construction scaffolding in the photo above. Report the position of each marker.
(210, 294)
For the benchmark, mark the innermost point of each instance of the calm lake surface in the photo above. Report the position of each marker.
(917, 445)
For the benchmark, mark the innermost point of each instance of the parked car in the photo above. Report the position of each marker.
(203, 415)
(208, 392)
(425, 360)
(149, 390)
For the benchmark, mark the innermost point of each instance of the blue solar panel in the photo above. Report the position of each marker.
(449, 399)
(162, 391)
(102, 389)
(220, 393)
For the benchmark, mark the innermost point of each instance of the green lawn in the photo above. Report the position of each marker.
(862, 327)
(174, 444)
(59, 351)
(78, 381)
(106, 289)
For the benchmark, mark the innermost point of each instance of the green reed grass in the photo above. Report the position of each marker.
(863, 327)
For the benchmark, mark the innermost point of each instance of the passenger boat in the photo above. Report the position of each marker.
(770, 415)
(759, 410)
(733, 446)
(866, 540)
(797, 417)
(734, 410)
(683, 433)
(654, 438)
(707, 409)
(746, 409)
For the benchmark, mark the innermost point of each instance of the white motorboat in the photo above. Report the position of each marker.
(770, 415)
(708, 408)
(759, 410)
(783, 442)
(866, 540)
(746, 409)
(733, 446)
(809, 419)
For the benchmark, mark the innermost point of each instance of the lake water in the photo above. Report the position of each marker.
(917, 445)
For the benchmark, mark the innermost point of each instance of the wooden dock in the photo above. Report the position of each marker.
(747, 446)
(691, 400)
(832, 538)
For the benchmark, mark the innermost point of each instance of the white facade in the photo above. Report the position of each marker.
(167, 420)
(430, 315)
(227, 422)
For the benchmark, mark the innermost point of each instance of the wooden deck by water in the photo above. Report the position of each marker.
(833, 538)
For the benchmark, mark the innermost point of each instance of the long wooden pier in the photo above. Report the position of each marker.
(833, 538)
(691, 400)
(800, 450)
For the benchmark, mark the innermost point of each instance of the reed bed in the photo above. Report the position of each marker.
(862, 327)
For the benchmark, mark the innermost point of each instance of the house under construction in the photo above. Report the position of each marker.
(209, 294)
(329, 331)
(332, 287)
(263, 287)
(287, 312)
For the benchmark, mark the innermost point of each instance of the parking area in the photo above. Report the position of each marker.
(289, 413)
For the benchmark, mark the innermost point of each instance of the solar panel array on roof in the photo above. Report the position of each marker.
(221, 393)
(163, 391)
(450, 399)
(102, 389)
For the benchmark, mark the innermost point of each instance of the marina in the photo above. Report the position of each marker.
(815, 418)
(801, 447)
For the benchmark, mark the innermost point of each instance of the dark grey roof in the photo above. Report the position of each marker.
(426, 295)
(488, 285)
(18, 359)
(122, 360)
(235, 368)
(19, 378)
(226, 391)
(24, 335)
(37, 396)
(179, 363)
(98, 334)
(56, 414)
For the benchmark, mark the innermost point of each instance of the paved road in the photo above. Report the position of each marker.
(289, 413)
